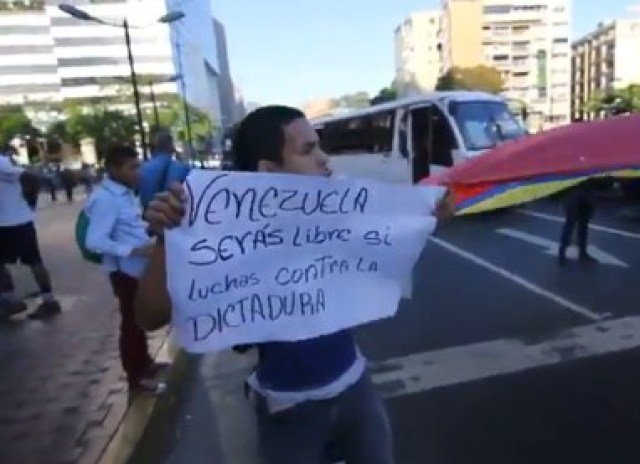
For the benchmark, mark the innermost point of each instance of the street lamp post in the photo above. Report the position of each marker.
(136, 93)
(185, 104)
(170, 17)
(156, 115)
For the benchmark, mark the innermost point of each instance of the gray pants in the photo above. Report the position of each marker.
(356, 422)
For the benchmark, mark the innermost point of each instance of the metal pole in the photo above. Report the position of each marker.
(156, 116)
(136, 94)
(183, 82)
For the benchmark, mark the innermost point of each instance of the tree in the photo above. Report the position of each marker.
(481, 78)
(354, 100)
(56, 135)
(615, 101)
(15, 123)
(103, 125)
(386, 94)
(171, 115)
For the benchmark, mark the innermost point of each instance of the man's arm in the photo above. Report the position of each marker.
(103, 217)
(153, 304)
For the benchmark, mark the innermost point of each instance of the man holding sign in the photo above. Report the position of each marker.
(289, 264)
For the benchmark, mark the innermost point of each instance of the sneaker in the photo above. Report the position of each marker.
(149, 386)
(46, 310)
(586, 258)
(11, 308)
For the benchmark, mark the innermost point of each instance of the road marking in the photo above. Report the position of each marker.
(550, 217)
(571, 306)
(551, 247)
(421, 372)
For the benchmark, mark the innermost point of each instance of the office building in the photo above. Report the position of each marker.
(602, 61)
(229, 98)
(527, 41)
(417, 52)
(48, 56)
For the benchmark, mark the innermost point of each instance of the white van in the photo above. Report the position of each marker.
(408, 139)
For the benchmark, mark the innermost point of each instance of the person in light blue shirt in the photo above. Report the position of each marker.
(119, 235)
(157, 174)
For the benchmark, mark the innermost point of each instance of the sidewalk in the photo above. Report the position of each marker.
(62, 394)
(210, 421)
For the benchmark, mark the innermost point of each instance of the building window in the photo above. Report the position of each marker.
(22, 5)
(104, 61)
(13, 89)
(80, 81)
(497, 9)
(93, 41)
(24, 30)
(26, 49)
(28, 69)
(69, 21)
(561, 40)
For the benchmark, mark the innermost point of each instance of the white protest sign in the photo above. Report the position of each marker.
(270, 257)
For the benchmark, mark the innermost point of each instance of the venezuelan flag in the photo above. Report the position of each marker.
(544, 164)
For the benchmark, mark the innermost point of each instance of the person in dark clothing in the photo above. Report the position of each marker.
(68, 179)
(579, 206)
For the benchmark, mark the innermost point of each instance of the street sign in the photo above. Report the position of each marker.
(551, 247)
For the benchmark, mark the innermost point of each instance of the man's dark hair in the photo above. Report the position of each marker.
(260, 136)
(118, 155)
(163, 141)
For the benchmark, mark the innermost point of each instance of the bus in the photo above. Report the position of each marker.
(409, 139)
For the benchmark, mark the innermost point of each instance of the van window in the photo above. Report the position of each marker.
(485, 124)
(363, 134)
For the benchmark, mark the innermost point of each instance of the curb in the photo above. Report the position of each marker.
(139, 437)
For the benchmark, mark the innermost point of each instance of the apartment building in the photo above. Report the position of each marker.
(417, 52)
(47, 56)
(526, 40)
(460, 34)
(602, 61)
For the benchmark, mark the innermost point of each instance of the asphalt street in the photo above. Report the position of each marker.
(500, 357)
(523, 361)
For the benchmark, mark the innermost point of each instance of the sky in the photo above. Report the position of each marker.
(292, 51)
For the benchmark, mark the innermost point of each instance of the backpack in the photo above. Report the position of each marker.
(82, 226)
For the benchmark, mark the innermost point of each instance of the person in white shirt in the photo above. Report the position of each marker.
(19, 241)
(118, 234)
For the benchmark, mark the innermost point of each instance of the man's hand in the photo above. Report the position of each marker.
(446, 207)
(166, 210)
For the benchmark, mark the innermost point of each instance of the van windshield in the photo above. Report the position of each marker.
(485, 124)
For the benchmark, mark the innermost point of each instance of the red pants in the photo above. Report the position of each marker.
(134, 351)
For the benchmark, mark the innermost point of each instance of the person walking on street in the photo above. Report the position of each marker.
(51, 179)
(86, 177)
(118, 234)
(19, 242)
(579, 206)
(69, 181)
(311, 393)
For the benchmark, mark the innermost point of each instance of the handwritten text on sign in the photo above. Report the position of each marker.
(265, 257)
